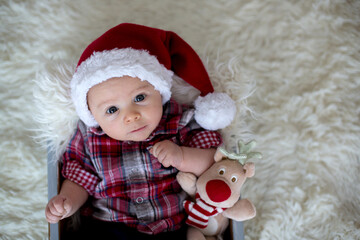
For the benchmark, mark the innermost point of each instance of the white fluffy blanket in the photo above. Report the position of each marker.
(293, 67)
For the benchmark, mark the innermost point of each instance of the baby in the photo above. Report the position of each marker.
(132, 138)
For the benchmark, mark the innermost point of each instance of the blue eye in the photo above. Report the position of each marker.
(139, 98)
(112, 110)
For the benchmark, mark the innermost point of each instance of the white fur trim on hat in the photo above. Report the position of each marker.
(214, 111)
(107, 64)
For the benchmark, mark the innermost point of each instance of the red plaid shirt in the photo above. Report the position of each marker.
(127, 183)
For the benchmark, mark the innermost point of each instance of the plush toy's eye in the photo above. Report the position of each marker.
(234, 179)
(222, 171)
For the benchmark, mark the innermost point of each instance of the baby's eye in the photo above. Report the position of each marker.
(139, 98)
(112, 110)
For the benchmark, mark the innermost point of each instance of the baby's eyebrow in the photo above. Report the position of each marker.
(141, 88)
(104, 103)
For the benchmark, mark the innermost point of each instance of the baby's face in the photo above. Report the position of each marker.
(126, 108)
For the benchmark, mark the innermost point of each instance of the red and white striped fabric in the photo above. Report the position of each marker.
(200, 212)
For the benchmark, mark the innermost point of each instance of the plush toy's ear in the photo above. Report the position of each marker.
(218, 155)
(249, 169)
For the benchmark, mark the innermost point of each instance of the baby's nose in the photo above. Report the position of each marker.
(132, 117)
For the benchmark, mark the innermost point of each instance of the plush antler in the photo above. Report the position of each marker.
(244, 152)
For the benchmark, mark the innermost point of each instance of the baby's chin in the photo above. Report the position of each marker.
(140, 136)
(132, 139)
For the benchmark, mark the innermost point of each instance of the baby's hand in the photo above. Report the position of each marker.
(168, 153)
(58, 208)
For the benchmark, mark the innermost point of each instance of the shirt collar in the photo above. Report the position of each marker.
(169, 123)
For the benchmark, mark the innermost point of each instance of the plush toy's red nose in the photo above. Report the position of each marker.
(217, 190)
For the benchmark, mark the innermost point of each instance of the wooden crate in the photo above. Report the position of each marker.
(235, 231)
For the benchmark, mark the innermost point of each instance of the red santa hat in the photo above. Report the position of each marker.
(153, 55)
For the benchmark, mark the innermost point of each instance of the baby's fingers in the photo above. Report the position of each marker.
(67, 208)
(50, 217)
(57, 206)
(156, 150)
(152, 151)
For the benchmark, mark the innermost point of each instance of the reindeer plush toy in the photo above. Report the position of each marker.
(217, 193)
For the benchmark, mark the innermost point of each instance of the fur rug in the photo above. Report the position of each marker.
(293, 67)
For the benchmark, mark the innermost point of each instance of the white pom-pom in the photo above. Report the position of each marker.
(214, 111)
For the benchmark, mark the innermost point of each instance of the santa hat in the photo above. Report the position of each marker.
(153, 55)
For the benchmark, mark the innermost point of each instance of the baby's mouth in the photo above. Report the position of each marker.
(138, 129)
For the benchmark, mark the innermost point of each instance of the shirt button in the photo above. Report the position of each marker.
(139, 200)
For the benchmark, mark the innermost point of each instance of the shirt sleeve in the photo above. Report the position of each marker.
(202, 138)
(77, 166)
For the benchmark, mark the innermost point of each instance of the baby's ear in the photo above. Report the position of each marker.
(249, 169)
(218, 155)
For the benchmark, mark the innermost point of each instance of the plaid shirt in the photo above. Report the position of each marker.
(127, 183)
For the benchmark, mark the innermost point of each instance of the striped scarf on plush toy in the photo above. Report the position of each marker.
(200, 212)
